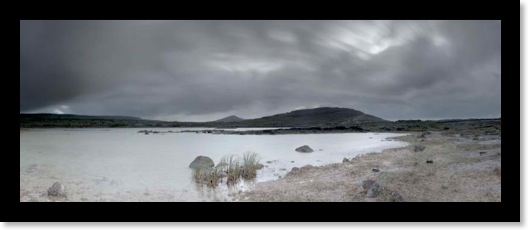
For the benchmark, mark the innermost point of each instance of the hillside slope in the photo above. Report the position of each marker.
(231, 118)
(322, 117)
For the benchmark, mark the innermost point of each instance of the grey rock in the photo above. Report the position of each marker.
(424, 134)
(366, 184)
(296, 170)
(260, 166)
(375, 170)
(201, 162)
(304, 149)
(419, 148)
(222, 174)
(345, 160)
(374, 191)
(57, 189)
(396, 197)
(306, 167)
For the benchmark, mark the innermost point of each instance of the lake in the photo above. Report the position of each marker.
(120, 164)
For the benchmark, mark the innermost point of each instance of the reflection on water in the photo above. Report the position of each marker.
(124, 165)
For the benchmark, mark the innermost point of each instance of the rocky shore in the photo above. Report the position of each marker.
(436, 166)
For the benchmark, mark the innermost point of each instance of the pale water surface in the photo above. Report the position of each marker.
(121, 164)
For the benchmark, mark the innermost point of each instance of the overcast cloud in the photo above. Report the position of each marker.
(206, 70)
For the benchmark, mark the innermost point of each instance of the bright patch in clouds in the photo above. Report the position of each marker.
(236, 63)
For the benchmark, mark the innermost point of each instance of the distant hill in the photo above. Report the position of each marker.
(318, 117)
(322, 117)
(231, 118)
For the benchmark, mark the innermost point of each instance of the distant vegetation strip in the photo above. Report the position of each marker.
(319, 120)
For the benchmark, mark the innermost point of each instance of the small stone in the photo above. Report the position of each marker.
(419, 148)
(57, 189)
(366, 184)
(396, 197)
(375, 170)
(304, 149)
(345, 160)
(374, 191)
(306, 167)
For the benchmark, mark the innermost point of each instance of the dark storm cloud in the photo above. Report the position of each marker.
(202, 70)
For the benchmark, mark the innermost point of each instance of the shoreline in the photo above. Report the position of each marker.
(466, 166)
(463, 167)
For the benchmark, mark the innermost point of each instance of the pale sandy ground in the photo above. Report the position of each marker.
(464, 168)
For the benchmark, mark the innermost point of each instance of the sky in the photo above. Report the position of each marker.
(207, 70)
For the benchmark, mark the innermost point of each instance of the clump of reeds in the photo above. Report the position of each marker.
(232, 166)
(250, 166)
(209, 177)
(233, 170)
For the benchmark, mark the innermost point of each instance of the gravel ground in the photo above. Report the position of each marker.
(462, 169)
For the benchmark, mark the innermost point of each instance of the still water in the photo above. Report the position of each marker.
(120, 164)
